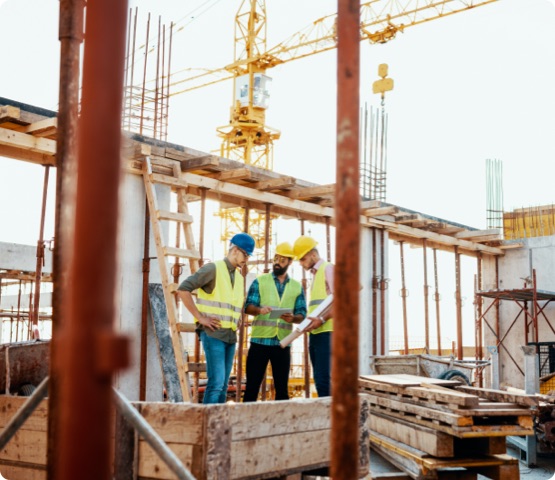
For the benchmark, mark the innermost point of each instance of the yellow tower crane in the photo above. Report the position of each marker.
(247, 137)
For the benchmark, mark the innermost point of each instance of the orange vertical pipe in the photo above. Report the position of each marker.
(88, 351)
(345, 404)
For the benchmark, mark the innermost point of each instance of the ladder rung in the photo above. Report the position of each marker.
(175, 216)
(183, 327)
(195, 367)
(167, 180)
(180, 252)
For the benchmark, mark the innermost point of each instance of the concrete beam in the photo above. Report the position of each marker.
(14, 256)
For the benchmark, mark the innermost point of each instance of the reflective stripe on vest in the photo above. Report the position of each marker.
(264, 327)
(317, 296)
(226, 301)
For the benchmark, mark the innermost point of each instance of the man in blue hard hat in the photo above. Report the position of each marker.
(218, 311)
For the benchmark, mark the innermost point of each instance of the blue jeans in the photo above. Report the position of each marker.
(219, 361)
(320, 357)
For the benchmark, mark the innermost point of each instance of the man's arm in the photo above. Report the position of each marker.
(212, 323)
(252, 303)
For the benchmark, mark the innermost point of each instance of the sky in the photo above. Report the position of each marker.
(473, 86)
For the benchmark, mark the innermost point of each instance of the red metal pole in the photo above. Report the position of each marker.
(306, 366)
(426, 305)
(89, 352)
(345, 404)
(458, 299)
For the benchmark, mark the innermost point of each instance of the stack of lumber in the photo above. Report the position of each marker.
(433, 429)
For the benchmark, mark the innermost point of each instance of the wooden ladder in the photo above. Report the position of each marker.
(170, 342)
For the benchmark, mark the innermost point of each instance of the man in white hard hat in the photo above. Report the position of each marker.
(267, 292)
(321, 327)
(218, 312)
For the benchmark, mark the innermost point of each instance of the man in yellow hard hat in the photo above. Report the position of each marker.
(221, 294)
(267, 293)
(321, 327)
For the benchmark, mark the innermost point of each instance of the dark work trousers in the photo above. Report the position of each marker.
(257, 362)
(320, 357)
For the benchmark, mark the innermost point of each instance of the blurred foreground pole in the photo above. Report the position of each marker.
(345, 404)
(88, 352)
(71, 38)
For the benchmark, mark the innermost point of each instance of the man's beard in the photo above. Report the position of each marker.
(279, 270)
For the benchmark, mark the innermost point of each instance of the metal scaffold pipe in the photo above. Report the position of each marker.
(345, 404)
(89, 351)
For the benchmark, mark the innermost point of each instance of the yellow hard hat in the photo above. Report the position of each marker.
(285, 250)
(303, 245)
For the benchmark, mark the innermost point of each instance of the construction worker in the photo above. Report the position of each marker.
(218, 312)
(267, 292)
(321, 327)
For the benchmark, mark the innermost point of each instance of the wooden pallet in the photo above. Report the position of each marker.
(422, 466)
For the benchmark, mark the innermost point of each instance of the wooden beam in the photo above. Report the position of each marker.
(15, 139)
(42, 128)
(310, 192)
(9, 113)
(19, 153)
(236, 174)
(275, 183)
(379, 211)
(199, 163)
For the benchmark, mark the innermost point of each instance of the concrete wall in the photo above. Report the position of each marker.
(129, 295)
(367, 271)
(14, 256)
(515, 271)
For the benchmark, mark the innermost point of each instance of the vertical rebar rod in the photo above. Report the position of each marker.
(345, 400)
(196, 376)
(458, 303)
(328, 239)
(90, 352)
(426, 305)
(141, 120)
(436, 300)
(157, 79)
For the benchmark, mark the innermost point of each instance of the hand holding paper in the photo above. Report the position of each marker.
(299, 329)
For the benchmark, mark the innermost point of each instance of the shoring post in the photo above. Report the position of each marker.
(436, 300)
(90, 352)
(306, 366)
(70, 33)
(458, 303)
(404, 295)
(345, 399)
(426, 293)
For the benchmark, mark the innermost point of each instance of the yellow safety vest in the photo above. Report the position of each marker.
(317, 296)
(226, 301)
(264, 327)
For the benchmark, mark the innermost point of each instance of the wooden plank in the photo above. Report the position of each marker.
(501, 396)
(310, 192)
(407, 380)
(431, 441)
(22, 140)
(275, 183)
(198, 163)
(219, 452)
(410, 410)
(236, 174)
(26, 446)
(10, 405)
(172, 370)
(20, 472)
(443, 396)
(42, 128)
(195, 367)
(266, 418)
(20, 153)
(9, 113)
(152, 467)
(376, 212)
(280, 454)
(175, 422)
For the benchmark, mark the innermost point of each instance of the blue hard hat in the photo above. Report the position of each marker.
(244, 241)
